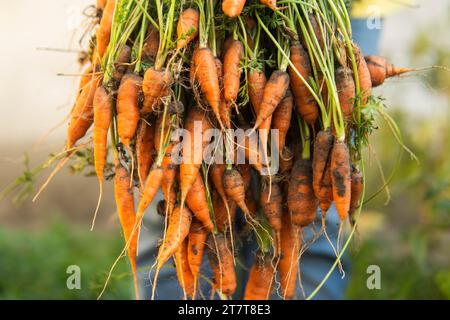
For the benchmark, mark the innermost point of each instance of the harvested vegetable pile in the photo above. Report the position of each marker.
(203, 99)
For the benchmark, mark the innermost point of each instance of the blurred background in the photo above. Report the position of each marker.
(405, 229)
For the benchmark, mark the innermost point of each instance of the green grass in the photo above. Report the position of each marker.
(33, 264)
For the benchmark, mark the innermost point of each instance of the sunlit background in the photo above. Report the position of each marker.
(405, 230)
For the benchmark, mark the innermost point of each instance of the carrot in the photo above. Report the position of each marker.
(261, 278)
(323, 144)
(301, 201)
(232, 8)
(102, 120)
(274, 92)
(197, 240)
(289, 259)
(233, 185)
(128, 107)
(286, 160)
(222, 264)
(155, 86)
(356, 192)
(144, 149)
(177, 231)
(197, 202)
(340, 178)
(151, 187)
(205, 72)
(104, 29)
(190, 166)
(122, 63)
(187, 27)
(365, 82)
(151, 43)
(82, 115)
(272, 4)
(272, 206)
(85, 78)
(232, 70)
(125, 207)
(306, 104)
(184, 273)
(246, 172)
(168, 180)
(345, 86)
(100, 4)
(317, 33)
(271, 201)
(221, 216)
(216, 171)
(281, 119)
(325, 192)
(225, 113)
(380, 69)
(256, 83)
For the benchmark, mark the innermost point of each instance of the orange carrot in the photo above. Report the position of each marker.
(128, 107)
(125, 207)
(345, 86)
(187, 27)
(272, 206)
(144, 148)
(155, 86)
(380, 69)
(225, 113)
(286, 160)
(205, 72)
(185, 277)
(289, 259)
(177, 231)
(122, 63)
(256, 83)
(233, 185)
(246, 172)
(197, 202)
(232, 70)
(169, 176)
(321, 155)
(274, 92)
(102, 120)
(85, 78)
(104, 29)
(151, 43)
(232, 8)
(365, 82)
(151, 187)
(304, 100)
(301, 201)
(216, 171)
(356, 192)
(341, 178)
(190, 166)
(325, 192)
(272, 4)
(281, 119)
(197, 240)
(82, 114)
(261, 278)
(100, 4)
(221, 215)
(221, 260)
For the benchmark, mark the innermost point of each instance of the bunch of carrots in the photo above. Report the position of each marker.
(288, 70)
